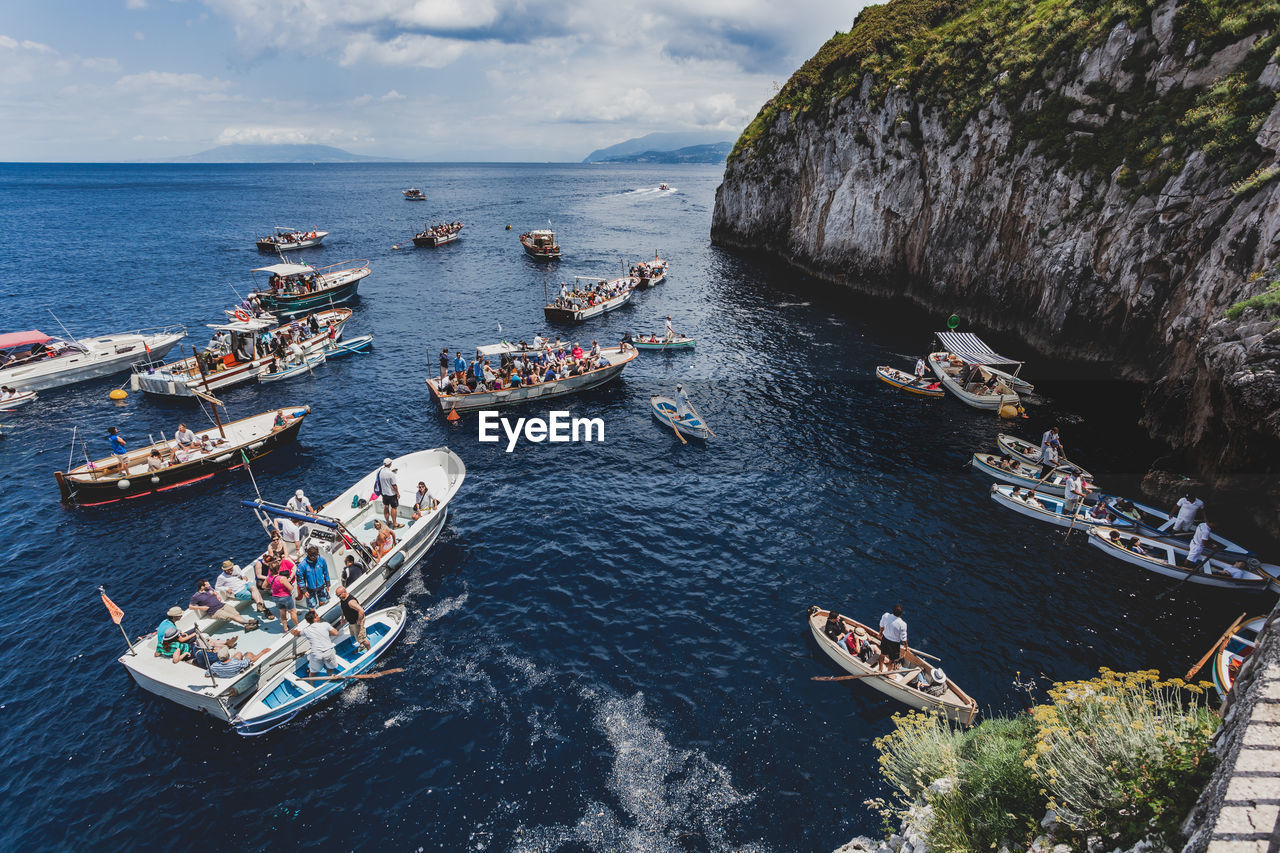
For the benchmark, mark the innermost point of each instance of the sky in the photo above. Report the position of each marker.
(432, 80)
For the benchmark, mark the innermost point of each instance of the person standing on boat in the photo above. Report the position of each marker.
(682, 397)
(1196, 552)
(313, 571)
(1050, 439)
(300, 503)
(319, 634)
(352, 617)
(1048, 460)
(390, 491)
(1075, 489)
(118, 449)
(291, 534)
(670, 332)
(893, 638)
(444, 363)
(1187, 508)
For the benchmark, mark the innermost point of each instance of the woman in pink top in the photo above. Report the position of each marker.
(280, 585)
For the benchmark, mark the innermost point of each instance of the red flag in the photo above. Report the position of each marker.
(116, 613)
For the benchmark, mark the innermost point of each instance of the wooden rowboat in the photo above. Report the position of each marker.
(287, 695)
(1158, 524)
(955, 703)
(1023, 474)
(675, 343)
(909, 382)
(288, 371)
(348, 346)
(19, 399)
(687, 422)
(1232, 653)
(1051, 509)
(1029, 452)
(1164, 559)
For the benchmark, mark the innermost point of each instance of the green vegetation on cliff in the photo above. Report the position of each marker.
(956, 56)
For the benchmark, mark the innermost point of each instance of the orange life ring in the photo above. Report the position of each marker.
(242, 315)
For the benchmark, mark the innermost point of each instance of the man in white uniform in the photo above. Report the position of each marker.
(390, 491)
(893, 638)
(299, 502)
(319, 634)
(292, 535)
(1196, 554)
(1076, 491)
(670, 332)
(1187, 508)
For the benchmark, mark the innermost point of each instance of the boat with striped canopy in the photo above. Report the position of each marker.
(974, 350)
(957, 705)
(293, 690)
(909, 382)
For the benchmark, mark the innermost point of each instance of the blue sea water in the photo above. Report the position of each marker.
(608, 648)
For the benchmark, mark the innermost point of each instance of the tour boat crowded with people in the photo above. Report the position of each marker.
(238, 352)
(292, 289)
(437, 235)
(34, 361)
(287, 239)
(590, 297)
(540, 244)
(171, 463)
(350, 525)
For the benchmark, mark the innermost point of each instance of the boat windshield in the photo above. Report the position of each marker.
(30, 352)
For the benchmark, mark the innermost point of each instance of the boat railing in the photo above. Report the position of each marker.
(360, 263)
(171, 329)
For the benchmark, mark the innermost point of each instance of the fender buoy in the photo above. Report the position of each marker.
(118, 394)
(242, 315)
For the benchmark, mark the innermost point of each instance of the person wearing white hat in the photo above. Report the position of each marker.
(299, 502)
(937, 683)
(390, 491)
(682, 397)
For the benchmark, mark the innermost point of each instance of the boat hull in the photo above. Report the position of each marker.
(271, 246)
(18, 401)
(1237, 647)
(907, 382)
(285, 305)
(1050, 509)
(664, 410)
(1054, 485)
(310, 361)
(86, 492)
(1160, 564)
(71, 369)
(432, 242)
(679, 343)
(349, 346)
(570, 315)
(986, 402)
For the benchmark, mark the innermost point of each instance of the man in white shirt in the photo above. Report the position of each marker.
(1196, 554)
(292, 535)
(235, 584)
(537, 341)
(670, 332)
(299, 503)
(1075, 490)
(319, 634)
(186, 438)
(1187, 508)
(893, 638)
(1050, 439)
(390, 491)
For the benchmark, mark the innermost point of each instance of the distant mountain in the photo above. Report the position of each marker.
(654, 142)
(284, 153)
(716, 152)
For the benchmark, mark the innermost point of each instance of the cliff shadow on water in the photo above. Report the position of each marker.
(1096, 180)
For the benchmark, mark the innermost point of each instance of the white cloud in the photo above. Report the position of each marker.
(268, 135)
(404, 49)
(168, 82)
(389, 97)
(135, 4)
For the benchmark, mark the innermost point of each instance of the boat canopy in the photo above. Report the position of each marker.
(503, 348)
(278, 511)
(253, 324)
(542, 233)
(23, 339)
(286, 269)
(971, 348)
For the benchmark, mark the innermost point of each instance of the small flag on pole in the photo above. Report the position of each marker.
(116, 613)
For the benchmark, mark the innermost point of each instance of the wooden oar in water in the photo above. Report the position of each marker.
(344, 677)
(701, 418)
(1214, 649)
(854, 677)
(677, 431)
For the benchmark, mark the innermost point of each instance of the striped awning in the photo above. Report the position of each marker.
(971, 348)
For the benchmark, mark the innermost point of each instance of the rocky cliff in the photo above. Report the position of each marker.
(1095, 176)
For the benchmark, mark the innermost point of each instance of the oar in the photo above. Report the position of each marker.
(1189, 573)
(677, 432)
(701, 418)
(1213, 650)
(1075, 515)
(342, 677)
(854, 677)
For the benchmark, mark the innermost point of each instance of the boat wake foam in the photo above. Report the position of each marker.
(664, 795)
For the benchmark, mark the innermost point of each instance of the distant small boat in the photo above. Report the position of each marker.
(344, 347)
(414, 194)
(438, 235)
(289, 693)
(688, 422)
(650, 273)
(909, 382)
(656, 342)
(19, 399)
(288, 371)
(541, 245)
(288, 239)
(663, 187)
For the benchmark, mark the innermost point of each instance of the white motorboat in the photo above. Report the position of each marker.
(342, 526)
(591, 300)
(612, 361)
(238, 353)
(34, 361)
(955, 703)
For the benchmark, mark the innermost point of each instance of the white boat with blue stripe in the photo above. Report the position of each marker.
(294, 689)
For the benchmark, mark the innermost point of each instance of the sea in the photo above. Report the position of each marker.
(607, 648)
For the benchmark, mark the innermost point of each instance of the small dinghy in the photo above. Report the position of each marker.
(288, 371)
(19, 399)
(413, 194)
(1052, 509)
(1158, 525)
(1029, 452)
(900, 684)
(349, 346)
(654, 342)
(1165, 559)
(909, 382)
(285, 696)
(685, 421)
(1023, 474)
(1232, 653)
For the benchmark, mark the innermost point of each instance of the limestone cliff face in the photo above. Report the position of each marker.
(882, 189)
